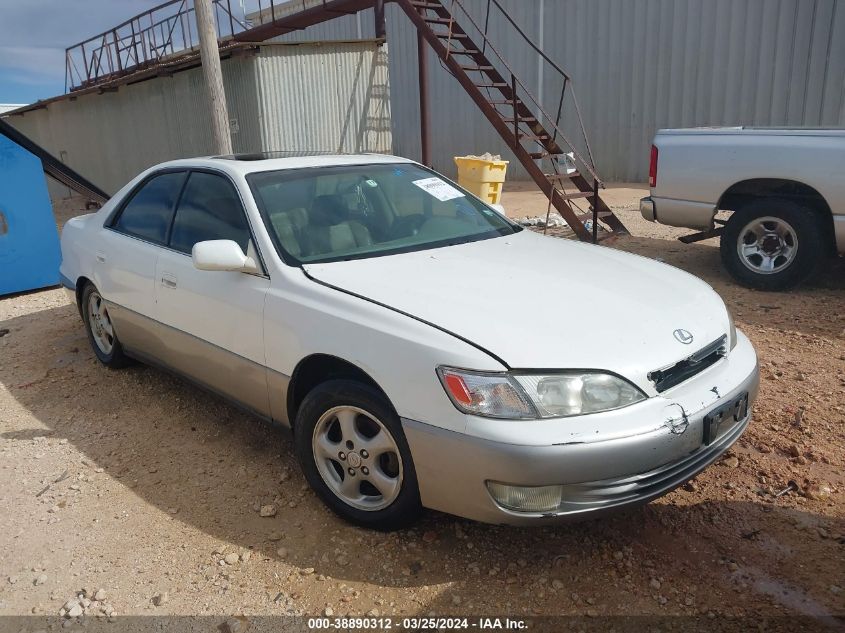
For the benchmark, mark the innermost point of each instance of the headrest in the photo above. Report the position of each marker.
(329, 210)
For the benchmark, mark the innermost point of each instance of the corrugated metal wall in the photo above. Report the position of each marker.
(326, 97)
(343, 105)
(638, 65)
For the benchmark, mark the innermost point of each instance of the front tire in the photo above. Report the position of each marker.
(353, 453)
(101, 332)
(772, 244)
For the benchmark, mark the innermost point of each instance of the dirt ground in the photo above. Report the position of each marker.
(142, 486)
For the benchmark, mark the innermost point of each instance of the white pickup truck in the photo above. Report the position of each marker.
(786, 189)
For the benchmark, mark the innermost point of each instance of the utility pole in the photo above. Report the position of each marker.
(210, 56)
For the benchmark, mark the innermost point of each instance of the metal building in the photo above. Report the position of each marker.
(637, 66)
(323, 96)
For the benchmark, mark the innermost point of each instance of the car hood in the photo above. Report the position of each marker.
(539, 302)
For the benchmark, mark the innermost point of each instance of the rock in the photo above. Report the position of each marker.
(764, 448)
(794, 451)
(731, 462)
(733, 566)
(231, 558)
(75, 611)
(160, 599)
(456, 600)
(267, 511)
(100, 595)
(557, 584)
(276, 536)
(430, 536)
(307, 571)
(282, 552)
(342, 561)
(40, 580)
(245, 556)
(817, 492)
(373, 613)
(654, 583)
(13, 580)
(231, 625)
(328, 611)
(67, 606)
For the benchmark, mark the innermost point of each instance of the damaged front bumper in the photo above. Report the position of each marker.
(596, 469)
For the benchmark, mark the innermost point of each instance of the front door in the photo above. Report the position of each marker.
(213, 319)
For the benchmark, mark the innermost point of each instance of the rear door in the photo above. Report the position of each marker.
(126, 255)
(213, 319)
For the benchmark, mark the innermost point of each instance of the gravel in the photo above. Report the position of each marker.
(141, 444)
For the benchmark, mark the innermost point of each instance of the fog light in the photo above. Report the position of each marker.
(526, 498)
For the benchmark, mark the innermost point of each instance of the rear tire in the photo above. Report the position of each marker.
(772, 244)
(353, 453)
(101, 332)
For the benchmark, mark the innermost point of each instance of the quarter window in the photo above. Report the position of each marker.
(149, 212)
(208, 210)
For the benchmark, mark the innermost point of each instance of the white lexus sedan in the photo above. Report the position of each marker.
(426, 351)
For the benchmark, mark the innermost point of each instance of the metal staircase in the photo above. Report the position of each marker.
(516, 114)
(161, 36)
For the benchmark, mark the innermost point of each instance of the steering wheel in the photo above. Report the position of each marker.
(406, 225)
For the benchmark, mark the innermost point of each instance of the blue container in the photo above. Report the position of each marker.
(29, 241)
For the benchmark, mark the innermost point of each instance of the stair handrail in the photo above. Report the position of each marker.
(588, 164)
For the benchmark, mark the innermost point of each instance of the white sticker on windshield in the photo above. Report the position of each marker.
(438, 188)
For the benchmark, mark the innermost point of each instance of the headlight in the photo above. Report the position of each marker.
(731, 330)
(532, 396)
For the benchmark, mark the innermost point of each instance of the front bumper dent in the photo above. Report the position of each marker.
(597, 477)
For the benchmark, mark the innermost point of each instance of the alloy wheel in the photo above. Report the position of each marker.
(357, 458)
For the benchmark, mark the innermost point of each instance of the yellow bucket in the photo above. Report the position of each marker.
(483, 178)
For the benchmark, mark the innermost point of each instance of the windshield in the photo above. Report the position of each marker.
(335, 213)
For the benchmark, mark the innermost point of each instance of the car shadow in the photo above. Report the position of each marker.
(211, 466)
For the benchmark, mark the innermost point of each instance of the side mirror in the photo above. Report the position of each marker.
(499, 208)
(221, 255)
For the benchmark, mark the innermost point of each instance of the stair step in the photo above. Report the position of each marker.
(493, 85)
(538, 155)
(439, 20)
(572, 195)
(504, 102)
(574, 174)
(522, 119)
(421, 4)
(480, 68)
(535, 137)
(453, 36)
(468, 51)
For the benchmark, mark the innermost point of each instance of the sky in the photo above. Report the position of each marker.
(35, 33)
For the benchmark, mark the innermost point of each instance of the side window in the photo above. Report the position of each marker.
(208, 210)
(148, 213)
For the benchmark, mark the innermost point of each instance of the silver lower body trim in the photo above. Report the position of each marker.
(245, 382)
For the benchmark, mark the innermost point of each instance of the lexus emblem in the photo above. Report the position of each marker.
(683, 336)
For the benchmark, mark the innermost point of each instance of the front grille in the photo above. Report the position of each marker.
(667, 378)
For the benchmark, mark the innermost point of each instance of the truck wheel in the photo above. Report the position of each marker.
(772, 244)
(354, 455)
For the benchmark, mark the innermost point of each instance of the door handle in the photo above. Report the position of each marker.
(168, 280)
(101, 257)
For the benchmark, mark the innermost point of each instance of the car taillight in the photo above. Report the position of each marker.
(652, 168)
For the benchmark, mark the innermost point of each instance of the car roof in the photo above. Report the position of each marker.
(250, 163)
